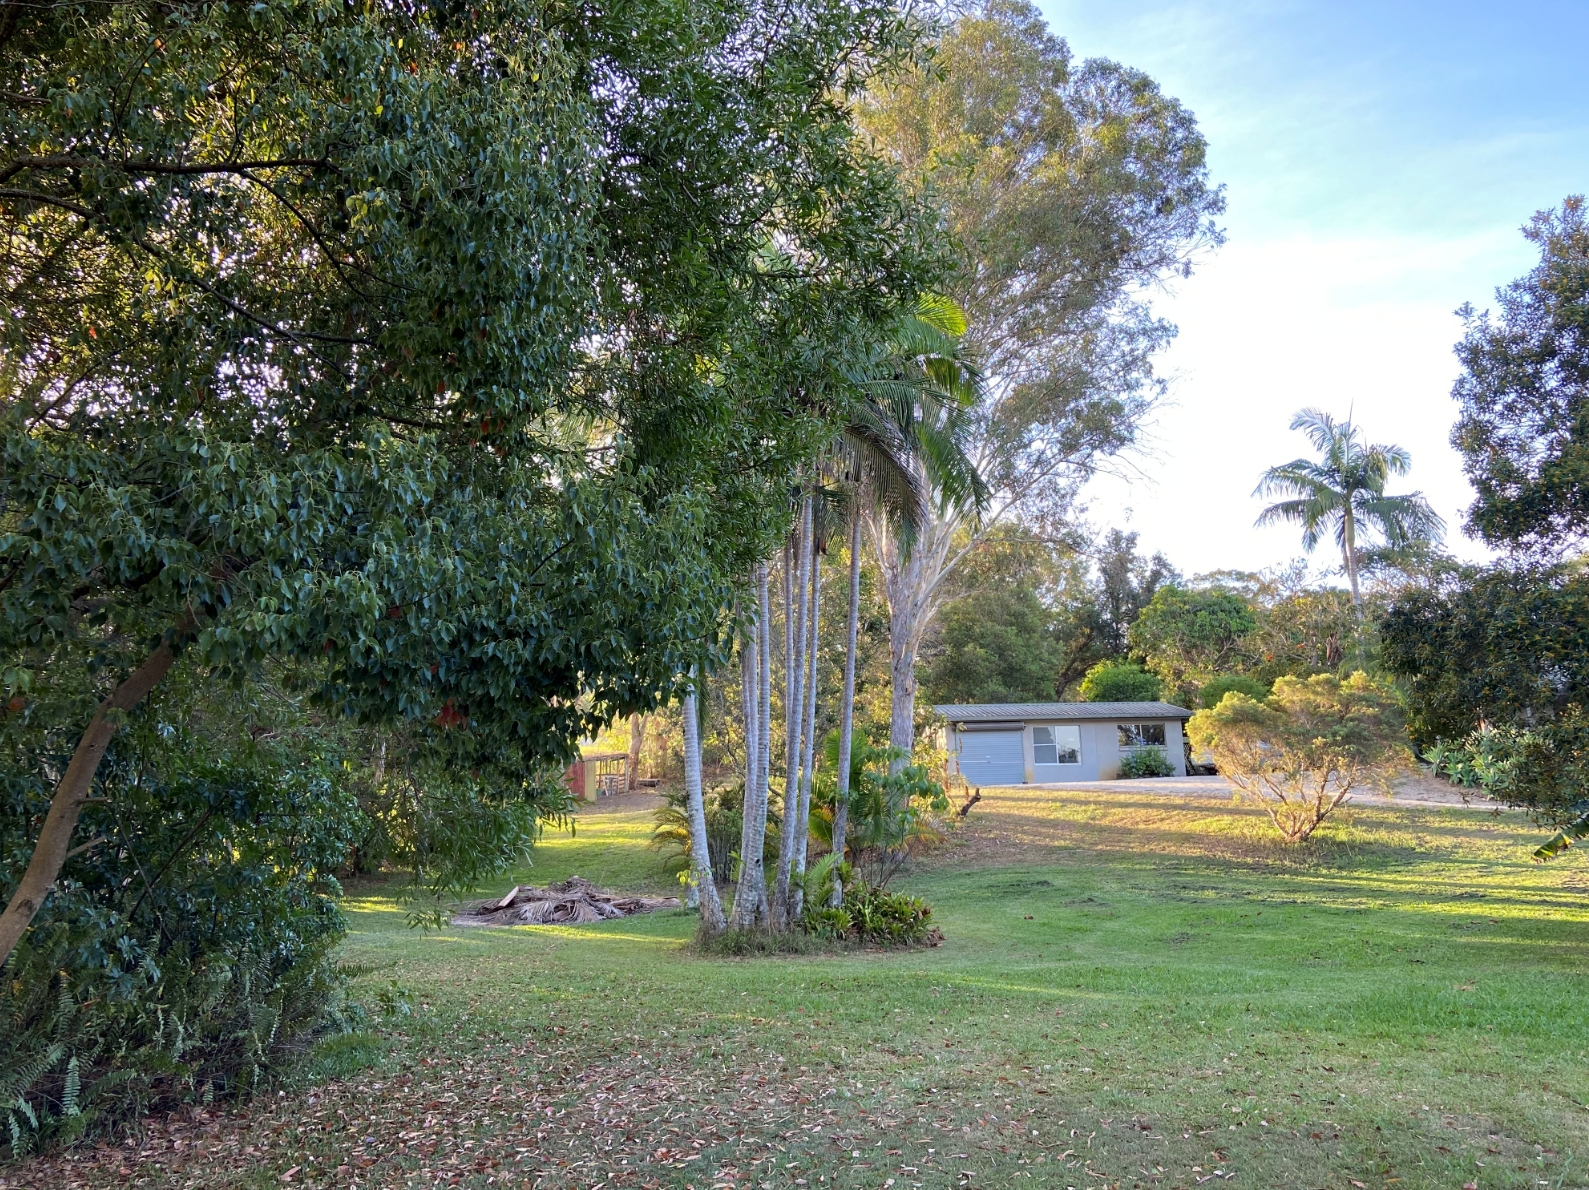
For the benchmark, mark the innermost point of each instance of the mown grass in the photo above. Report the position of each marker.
(1135, 991)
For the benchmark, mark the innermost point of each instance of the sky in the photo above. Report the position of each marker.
(1378, 159)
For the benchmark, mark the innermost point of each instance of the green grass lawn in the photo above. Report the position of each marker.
(1134, 991)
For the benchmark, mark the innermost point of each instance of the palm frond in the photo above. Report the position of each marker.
(943, 313)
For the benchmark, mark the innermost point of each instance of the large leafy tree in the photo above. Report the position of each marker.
(1342, 493)
(1072, 189)
(456, 352)
(1507, 646)
(1523, 429)
(1188, 636)
(1494, 659)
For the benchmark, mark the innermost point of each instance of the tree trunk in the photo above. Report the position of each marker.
(750, 893)
(1349, 548)
(790, 561)
(764, 711)
(700, 857)
(794, 696)
(809, 732)
(73, 792)
(750, 707)
(910, 610)
(637, 741)
(841, 800)
(902, 698)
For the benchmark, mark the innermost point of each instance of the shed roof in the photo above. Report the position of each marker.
(975, 712)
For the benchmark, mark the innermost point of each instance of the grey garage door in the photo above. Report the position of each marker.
(992, 758)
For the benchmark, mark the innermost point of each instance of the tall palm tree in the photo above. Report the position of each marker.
(1344, 492)
(712, 921)
(919, 389)
(903, 447)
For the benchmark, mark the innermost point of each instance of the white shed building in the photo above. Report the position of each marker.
(1036, 742)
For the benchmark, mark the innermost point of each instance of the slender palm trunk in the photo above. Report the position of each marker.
(750, 707)
(841, 800)
(764, 705)
(809, 732)
(750, 892)
(1349, 548)
(712, 921)
(790, 562)
(795, 700)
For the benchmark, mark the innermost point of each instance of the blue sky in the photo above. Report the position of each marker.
(1378, 160)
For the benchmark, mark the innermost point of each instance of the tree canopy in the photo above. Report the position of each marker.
(1070, 190)
(1523, 429)
(460, 354)
(1508, 646)
(1188, 636)
(1120, 681)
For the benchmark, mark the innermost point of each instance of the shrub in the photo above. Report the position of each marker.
(1145, 762)
(869, 914)
(725, 810)
(886, 918)
(188, 954)
(1119, 681)
(891, 815)
(1217, 687)
(1303, 750)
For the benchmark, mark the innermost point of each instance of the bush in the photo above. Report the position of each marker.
(891, 815)
(869, 914)
(1304, 750)
(1145, 762)
(1119, 681)
(725, 815)
(188, 954)
(1216, 688)
(886, 918)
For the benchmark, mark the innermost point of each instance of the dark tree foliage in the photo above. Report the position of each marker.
(1524, 392)
(464, 349)
(455, 359)
(1502, 647)
(996, 645)
(1127, 582)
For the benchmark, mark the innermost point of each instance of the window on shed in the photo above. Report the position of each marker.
(1141, 735)
(1056, 745)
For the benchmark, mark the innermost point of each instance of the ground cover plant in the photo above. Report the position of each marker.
(1135, 990)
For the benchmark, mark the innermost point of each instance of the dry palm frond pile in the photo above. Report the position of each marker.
(567, 902)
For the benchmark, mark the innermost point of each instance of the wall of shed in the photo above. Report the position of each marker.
(1100, 750)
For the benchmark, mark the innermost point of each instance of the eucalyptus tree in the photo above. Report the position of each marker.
(1343, 493)
(1072, 190)
(434, 347)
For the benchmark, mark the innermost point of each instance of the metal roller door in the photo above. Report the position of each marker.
(992, 758)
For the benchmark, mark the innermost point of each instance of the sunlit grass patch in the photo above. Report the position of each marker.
(1135, 990)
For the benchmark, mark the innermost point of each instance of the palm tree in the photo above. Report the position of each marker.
(712, 921)
(918, 390)
(1344, 492)
(902, 447)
